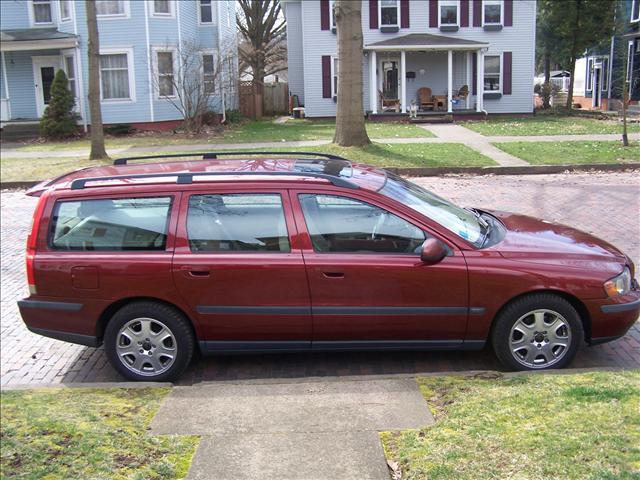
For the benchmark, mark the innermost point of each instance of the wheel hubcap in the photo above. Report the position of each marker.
(540, 338)
(146, 346)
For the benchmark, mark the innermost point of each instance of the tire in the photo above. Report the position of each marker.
(149, 341)
(537, 332)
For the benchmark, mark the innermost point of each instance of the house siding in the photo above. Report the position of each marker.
(138, 33)
(295, 55)
(518, 39)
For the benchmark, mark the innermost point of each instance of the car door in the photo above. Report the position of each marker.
(368, 284)
(238, 266)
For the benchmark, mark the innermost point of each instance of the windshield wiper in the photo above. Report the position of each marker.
(483, 223)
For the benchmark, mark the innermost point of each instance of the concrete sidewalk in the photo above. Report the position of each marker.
(445, 133)
(294, 430)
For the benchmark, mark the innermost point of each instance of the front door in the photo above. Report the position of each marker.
(597, 87)
(237, 265)
(368, 285)
(44, 71)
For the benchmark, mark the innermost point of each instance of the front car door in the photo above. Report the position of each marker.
(237, 265)
(368, 285)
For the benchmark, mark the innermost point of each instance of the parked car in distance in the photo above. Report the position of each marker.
(234, 253)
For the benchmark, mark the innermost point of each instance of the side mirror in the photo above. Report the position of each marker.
(433, 251)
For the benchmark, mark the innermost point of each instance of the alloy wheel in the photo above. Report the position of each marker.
(146, 346)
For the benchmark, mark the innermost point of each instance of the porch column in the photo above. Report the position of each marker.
(373, 82)
(469, 78)
(6, 88)
(449, 81)
(403, 80)
(480, 81)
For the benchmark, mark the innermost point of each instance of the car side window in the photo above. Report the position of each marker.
(345, 225)
(237, 223)
(118, 224)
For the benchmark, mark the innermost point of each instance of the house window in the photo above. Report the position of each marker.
(162, 8)
(208, 73)
(70, 68)
(206, 11)
(114, 76)
(492, 12)
(492, 73)
(629, 61)
(111, 8)
(389, 13)
(165, 74)
(332, 14)
(334, 77)
(41, 12)
(590, 75)
(449, 13)
(635, 11)
(65, 10)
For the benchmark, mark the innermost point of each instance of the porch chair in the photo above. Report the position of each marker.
(425, 98)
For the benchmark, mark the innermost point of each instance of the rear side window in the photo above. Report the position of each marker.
(237, 223)
(111, 224)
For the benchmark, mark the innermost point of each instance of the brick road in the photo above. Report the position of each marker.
(604, 204)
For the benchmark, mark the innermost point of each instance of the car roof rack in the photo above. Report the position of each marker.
(187, 177)
(215, 155)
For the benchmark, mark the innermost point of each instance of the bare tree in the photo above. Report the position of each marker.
(98, 151)
(263, 51)
(350, 127)
(191, 81)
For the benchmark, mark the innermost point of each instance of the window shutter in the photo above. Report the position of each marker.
(477, 13)
(508, 13)
(433, 13)
(324, 14)
(464, 13)
(507, 75)
(474, 80)
(326, 76)
(373, 14)
(404, 13)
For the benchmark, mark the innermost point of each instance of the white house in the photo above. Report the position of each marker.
(429, 51)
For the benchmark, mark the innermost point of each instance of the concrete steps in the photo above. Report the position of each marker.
(12, 132)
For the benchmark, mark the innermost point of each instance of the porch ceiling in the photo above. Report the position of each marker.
(425, 41)
(35, 39)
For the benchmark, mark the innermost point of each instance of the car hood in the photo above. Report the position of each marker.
(529, 238)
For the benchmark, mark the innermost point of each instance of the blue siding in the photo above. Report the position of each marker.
(14, 14)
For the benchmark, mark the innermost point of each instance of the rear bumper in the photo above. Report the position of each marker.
(610, 321)
(66, 321)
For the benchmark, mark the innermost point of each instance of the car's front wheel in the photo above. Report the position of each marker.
(149, 341)
(537, 332)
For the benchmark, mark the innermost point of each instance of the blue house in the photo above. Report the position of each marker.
(144, 47)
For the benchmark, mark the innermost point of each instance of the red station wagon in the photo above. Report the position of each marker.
(313, 252)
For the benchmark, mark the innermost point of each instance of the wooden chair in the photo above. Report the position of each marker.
(425, 98)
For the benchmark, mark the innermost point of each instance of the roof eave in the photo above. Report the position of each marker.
(425, 47)
(22, 45)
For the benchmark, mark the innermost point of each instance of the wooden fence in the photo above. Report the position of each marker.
(273, 101)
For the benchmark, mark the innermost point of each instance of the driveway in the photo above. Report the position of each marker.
(604, 204)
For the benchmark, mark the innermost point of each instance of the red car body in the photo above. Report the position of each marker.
(305, 300)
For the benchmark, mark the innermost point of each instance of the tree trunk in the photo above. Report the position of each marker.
(547, 79)
(350, 127)
(625, 104)
(574, 53)
(258, 88)
(97, 134)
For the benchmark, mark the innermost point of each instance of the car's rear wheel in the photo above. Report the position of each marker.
(537, 332)
(149, 341)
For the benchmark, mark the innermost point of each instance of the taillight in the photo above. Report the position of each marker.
(32, 242)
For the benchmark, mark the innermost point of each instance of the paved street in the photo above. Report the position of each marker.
(604, 204)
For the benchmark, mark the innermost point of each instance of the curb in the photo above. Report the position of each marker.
(440, 171)
(86, 385)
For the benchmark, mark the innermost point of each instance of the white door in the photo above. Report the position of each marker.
(44, 71)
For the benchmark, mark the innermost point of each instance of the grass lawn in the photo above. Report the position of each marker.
(572, 153)
(248, 132)
(89, 433)
(547, 125)
(387, 155)
(580, 426)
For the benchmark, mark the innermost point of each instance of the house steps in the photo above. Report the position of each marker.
(445, 118)
(16, 131)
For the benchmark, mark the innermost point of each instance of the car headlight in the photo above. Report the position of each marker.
(620, 285)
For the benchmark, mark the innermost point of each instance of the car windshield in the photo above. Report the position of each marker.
(464, 223)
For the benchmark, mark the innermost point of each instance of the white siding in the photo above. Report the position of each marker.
(295, 62)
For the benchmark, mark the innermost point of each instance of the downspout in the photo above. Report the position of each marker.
(149, 78)
(224, 110)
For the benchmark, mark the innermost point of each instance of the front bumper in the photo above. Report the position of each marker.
(612, 318)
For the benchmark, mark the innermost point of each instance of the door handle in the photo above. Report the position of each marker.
(195, 271)
(333, 274)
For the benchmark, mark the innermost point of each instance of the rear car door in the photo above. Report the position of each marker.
(368, 284)
(237, 265)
